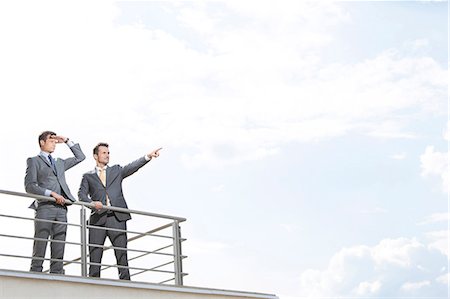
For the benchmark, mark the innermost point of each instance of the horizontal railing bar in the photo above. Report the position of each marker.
(143, 271)
(35, 258)
(162, 248)
(151, 232)
(166, 280)
(128, 249)
(91, 205)
(126, 231)
(39, 239)
(144, 254)
(162, 265)
(39, 220)
(131, 268)
(89, 244)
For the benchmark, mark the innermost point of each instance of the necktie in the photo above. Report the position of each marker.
(102, 175)
(52, 163)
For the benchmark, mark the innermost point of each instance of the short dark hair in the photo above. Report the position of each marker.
(44, 136)
(98, 145)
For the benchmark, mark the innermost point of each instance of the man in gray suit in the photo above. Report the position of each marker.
(46, 176)
(103, 186)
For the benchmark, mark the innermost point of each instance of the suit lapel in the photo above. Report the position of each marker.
(108, 175)
(47, 162)
(111, 175)
(94, 174)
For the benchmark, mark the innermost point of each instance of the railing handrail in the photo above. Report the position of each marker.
(91, 205)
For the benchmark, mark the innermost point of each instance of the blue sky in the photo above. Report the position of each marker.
(304, 142)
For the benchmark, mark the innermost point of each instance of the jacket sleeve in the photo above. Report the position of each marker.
(83, 192)
(31, 178)
(78, 157)
(134, 166)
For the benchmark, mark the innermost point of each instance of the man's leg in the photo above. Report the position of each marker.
(96, 236)
(119, 239)
(58, 233)
(42, 231)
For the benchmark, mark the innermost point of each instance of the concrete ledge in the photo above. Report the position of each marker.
(18, 284)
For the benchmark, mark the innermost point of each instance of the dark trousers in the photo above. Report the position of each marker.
(118, 239)
(44, 230)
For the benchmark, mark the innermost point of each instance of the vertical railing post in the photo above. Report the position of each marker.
(177, 253)
(83, 242)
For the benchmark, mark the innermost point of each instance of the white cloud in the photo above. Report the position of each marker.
(393, 267)
(413, 286)
(419, 43)
(434, 163)
(395, 251)
(366, 288)
(444, 279)
(438, 240)
(399, 156)
(435, 218)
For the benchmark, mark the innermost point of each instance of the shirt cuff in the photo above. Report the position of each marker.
(70, 143)
(147, 158)
(48, 192)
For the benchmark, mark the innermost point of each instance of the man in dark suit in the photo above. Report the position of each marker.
(103, 186)
(46, 176)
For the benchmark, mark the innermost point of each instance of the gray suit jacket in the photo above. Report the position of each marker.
(92, 189)
(40, 176)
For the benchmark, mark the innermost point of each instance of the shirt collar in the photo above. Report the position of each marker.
(44, 154)
(99, 168)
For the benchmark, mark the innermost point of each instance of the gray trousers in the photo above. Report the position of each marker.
(44, 230)
(118, 239)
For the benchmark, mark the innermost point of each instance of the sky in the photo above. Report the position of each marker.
(305, 142)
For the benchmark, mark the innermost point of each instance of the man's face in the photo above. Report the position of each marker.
(48, 145)
(103, 155)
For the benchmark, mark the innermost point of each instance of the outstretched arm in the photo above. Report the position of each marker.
(134, 166)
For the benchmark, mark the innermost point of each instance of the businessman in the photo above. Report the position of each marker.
(45, 175)
(103, 187)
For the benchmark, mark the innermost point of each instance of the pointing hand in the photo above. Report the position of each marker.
(155, 153)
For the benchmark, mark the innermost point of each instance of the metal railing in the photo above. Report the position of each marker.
(174, 255)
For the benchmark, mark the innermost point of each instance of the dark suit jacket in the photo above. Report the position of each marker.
(92, 189)
(40, 176)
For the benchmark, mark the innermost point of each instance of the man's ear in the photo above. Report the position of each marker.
(41, 143)
(95, 157)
